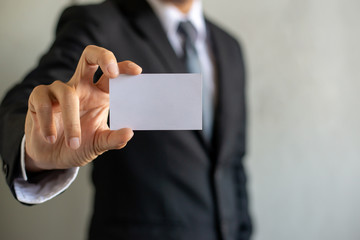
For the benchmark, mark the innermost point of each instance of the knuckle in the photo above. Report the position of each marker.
(89, 48)
(106, 54)
(39, 89)
(63, 90)
(98, 150)
(56, 84)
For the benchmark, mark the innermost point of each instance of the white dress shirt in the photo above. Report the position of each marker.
(55, 182)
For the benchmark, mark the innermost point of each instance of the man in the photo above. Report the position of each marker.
(163, 184)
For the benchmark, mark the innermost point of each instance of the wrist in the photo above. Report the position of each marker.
(30, 165)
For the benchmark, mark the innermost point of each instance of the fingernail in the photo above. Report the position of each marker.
(51, 139)
(74, 143)
(113, 69)
(132, 65)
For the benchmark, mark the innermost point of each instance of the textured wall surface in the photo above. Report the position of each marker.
(303, 60)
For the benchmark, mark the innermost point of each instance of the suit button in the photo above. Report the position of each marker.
(5, 169)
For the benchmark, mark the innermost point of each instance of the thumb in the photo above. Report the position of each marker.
(109, 139)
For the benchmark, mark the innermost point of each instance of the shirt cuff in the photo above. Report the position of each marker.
(49, 186)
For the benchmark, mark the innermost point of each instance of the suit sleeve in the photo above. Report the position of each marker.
(76, 29)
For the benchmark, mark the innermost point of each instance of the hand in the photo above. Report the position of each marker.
(66, 123)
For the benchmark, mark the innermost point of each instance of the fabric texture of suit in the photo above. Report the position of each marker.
(163, 184)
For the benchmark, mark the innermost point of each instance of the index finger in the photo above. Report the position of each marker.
(91, 58)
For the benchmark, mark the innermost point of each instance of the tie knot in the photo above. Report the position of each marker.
(187, 30)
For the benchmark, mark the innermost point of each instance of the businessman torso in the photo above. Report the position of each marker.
(164, 184)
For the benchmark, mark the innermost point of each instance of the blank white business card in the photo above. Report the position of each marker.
(156, 102)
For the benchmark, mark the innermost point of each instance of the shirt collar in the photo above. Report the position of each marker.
(170, 16)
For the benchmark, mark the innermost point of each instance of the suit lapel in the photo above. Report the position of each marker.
(146, 22)
(224, 136)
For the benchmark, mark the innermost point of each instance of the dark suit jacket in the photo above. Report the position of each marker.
(164, 184)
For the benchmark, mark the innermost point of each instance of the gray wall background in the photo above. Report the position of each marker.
(304, 147)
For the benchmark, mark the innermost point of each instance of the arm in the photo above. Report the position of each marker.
(61, 113)
(59, 63)
(66, 123)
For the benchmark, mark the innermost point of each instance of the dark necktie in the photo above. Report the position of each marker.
(189, 34)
